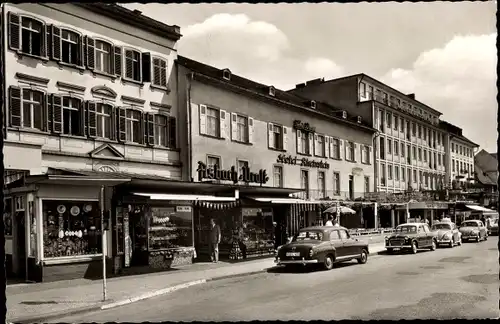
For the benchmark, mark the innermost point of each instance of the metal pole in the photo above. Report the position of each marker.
(103, 245)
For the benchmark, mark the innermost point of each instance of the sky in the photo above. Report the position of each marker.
(444, 52)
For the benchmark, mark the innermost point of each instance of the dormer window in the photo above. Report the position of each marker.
(312, 104)
(359, 119)
(226, 74)
(272, 91)
(344, 114)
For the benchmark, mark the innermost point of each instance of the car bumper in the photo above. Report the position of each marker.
(303, 262)
(405, 246)
(444, 241)
(469, 237)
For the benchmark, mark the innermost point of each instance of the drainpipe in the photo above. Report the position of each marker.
(190, 77)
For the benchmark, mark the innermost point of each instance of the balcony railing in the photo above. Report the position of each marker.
(317, 194)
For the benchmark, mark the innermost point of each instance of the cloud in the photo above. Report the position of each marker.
(458, 79)
(254, 49)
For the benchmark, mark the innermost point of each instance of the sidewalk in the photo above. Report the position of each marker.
(36, 302)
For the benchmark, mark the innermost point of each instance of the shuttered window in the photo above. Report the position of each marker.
(133, 126)
(159, 72)
(71, 47)
(73, 116)
(27, 35)
(27, 108)
(160, 130)
(133, 65)
(103, 57)
(104, 125)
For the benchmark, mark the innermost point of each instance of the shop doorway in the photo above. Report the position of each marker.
(351, 187)
(138, 232)
(21, 245)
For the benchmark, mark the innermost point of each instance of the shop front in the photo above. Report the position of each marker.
(424, 211)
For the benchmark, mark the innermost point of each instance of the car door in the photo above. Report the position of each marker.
(421, 237)
(348, 243)
(337, 243)
(482, 229)
(456, 235)
(428, 235)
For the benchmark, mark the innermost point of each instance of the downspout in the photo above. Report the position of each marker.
(190, 77)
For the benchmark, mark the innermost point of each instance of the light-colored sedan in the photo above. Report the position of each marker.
(447, 234)
(473, 230)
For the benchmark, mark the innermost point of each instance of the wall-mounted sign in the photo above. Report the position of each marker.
(305, 162)
(214, 173)
(297, 124)
(183, 209)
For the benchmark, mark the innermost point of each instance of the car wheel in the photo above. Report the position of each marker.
(433, 245)
(486, 237)
(452, 243)
(414, 248)
(477, 239)
(459, 241)
(328, 263)
(363, 258)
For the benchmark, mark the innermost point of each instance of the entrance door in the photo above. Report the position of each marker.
(21, 245)
(351, 187)
(139, 235)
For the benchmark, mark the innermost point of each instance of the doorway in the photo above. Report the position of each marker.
(21, 245)
(138, 231)
(351, 187)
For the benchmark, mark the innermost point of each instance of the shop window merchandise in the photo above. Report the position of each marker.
(71, 228)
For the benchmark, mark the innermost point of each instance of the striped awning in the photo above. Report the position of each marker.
(217, 205)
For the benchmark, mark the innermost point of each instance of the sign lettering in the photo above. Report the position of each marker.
(297, 124)
(305, 162)
(214, 173)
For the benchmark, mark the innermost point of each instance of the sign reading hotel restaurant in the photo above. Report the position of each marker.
(214, 173)
(305, 162)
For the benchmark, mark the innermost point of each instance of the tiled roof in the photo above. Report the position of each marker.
(263, 91)
(486, 178)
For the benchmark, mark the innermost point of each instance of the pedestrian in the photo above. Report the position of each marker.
(483, 219)
(329, 222)
(214, 241)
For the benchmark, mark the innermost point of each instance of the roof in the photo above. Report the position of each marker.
(486, 161)
(363, 75)
(133, 18)
(455, 132)
(262, 91)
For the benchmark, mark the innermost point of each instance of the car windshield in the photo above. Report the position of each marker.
(470, 224)
(436, 227)
(308, 236)
(406, 229)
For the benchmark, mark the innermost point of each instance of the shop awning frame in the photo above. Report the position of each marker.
(274, 200)
(161, 196)
(75, 180)
(480, 209)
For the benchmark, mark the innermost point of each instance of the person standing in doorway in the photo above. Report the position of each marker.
(214, 241)
(329, 222)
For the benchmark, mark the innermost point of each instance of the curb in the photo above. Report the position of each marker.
(63, 313)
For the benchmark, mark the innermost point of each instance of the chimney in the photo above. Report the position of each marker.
(300, 85)
(316, 81)
(411, 95)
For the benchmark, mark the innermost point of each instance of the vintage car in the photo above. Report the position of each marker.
(493, 227)
(447, 233)
(473, 230)
(411, 236)
(322, 245)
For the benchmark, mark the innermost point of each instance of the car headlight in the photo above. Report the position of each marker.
(447, 236)
(311, 252)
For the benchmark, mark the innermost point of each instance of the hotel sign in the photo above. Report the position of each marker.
(305, 162)
(215, 173)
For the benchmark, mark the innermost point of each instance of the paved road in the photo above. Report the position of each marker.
(445, 284)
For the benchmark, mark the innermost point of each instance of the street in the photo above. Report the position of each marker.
(445, 284)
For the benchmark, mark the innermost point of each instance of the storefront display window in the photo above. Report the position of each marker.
(71, 228)
(7, 216)
(170, 227)
(258, 229)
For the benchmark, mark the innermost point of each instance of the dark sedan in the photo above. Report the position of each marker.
(322, 245)
(493, 227)
(411, 236)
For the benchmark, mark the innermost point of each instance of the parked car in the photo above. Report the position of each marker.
(493, 229)
(447, 233)
(322, 245)
(411, 236)
(473, 230)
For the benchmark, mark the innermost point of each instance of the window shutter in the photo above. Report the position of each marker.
(300, 149)
(44, 45)
(117, 59)
(341, 149)
(128, 64)
(356, 152)
(90, 52)
(121, 124)
(270, 135)
(203, 119)
(223, 125)
(149, 129)
(81, 51)
(316, 145)
(48, 42)
(285, 138)
(83, 123)
(311, 143)
(91, 119)
(50, 114)
(172, 132)
(155, 77)
(14, 31)
(15, 106)
(327, 146)
(369, 161)
(164, 72)
(146, 67)
(250, 130)
(56, 43)
(57, 113)
(234, 127)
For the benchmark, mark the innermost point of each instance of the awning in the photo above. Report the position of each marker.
(76, 180)
(480, 209)
(273, 200)
(155, 196)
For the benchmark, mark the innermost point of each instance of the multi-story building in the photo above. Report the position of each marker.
(285, 143)
(460, 156)
(410, 147)
(89, 99)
